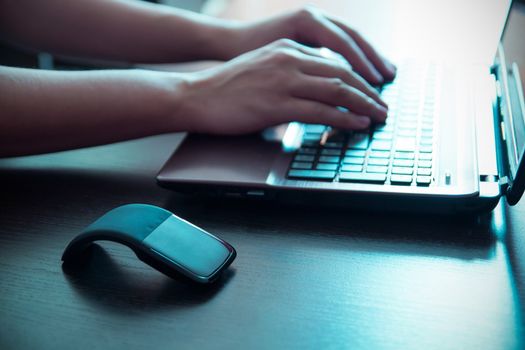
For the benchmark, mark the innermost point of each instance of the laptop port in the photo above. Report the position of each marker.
(255, 193)
(488, 178)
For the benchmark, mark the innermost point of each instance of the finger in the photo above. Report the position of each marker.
(312, 112)
(385, 67)
(327, 63)
(330, 35)
(337, 93)
(318, 66)
(322, 52)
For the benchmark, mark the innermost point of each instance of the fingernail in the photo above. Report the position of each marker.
(391, 69)
(381, 102)
(363, 122)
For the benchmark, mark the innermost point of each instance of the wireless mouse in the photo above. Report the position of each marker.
(162, 240)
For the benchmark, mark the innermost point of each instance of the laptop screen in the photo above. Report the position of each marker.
(512, 40)
(515, 55)
(512, 106)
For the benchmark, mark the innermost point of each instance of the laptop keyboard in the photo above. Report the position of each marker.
(399, 152)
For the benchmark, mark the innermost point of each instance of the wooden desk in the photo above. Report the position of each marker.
(304, 277)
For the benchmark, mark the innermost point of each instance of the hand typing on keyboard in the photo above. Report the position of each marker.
(313, 27)
(278, 83)
(398, 153)
(301, 66)
(287, 81)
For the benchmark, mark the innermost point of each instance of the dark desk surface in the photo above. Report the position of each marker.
(304, 277)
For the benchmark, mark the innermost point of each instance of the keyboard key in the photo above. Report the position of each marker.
(307, 143)
(329, 159)
(377, 169)
(354, 160)
(358, 141)
(381, 145)
(429, 108)
(338, 137)
(380, 154)
(425, 149)
(304, 158)
(378, 161)
(327, 166)
(404, 155)
(426, 141)
(423, 180)
(424, 164)
(385, 127)
(403, 162)
(425, 156)
(382, 136)
(401, 179)
(309, 151)
(362, 177)
(402, 171)
(406, 144)
(312, 137)
(330, 152)
(355, 153)
(424, 171)
(314, 128)
(352, 167)
(312, 174)
(406, 133)
(333, 144)
(302, 165)
(408, 126)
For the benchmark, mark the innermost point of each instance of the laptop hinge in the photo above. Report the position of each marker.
(499, 129)
(504, 184)
(494, 68)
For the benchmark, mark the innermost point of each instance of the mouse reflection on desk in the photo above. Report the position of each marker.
(162, 240)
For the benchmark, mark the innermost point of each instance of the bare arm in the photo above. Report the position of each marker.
(45, 111)
(135, 31)
(124, 30)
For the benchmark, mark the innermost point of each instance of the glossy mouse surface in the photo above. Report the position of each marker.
(164, 241)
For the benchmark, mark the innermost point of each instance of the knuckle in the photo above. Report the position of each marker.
(277, 78)
(284, 42)
(306, 12)
(282, 56)
(338, 86)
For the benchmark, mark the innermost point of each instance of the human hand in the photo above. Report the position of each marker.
(312, 27)
(281, 82)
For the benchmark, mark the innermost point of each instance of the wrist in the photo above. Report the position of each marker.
(225, 40)
(207, 38)
(253, 35)
(176, 91)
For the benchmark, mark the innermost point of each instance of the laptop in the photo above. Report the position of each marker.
(453, 142)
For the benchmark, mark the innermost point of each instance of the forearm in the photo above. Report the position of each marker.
(46, 111)
(124, 30)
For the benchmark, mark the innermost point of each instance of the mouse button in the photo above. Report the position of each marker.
(188, 246)
(134, 220)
